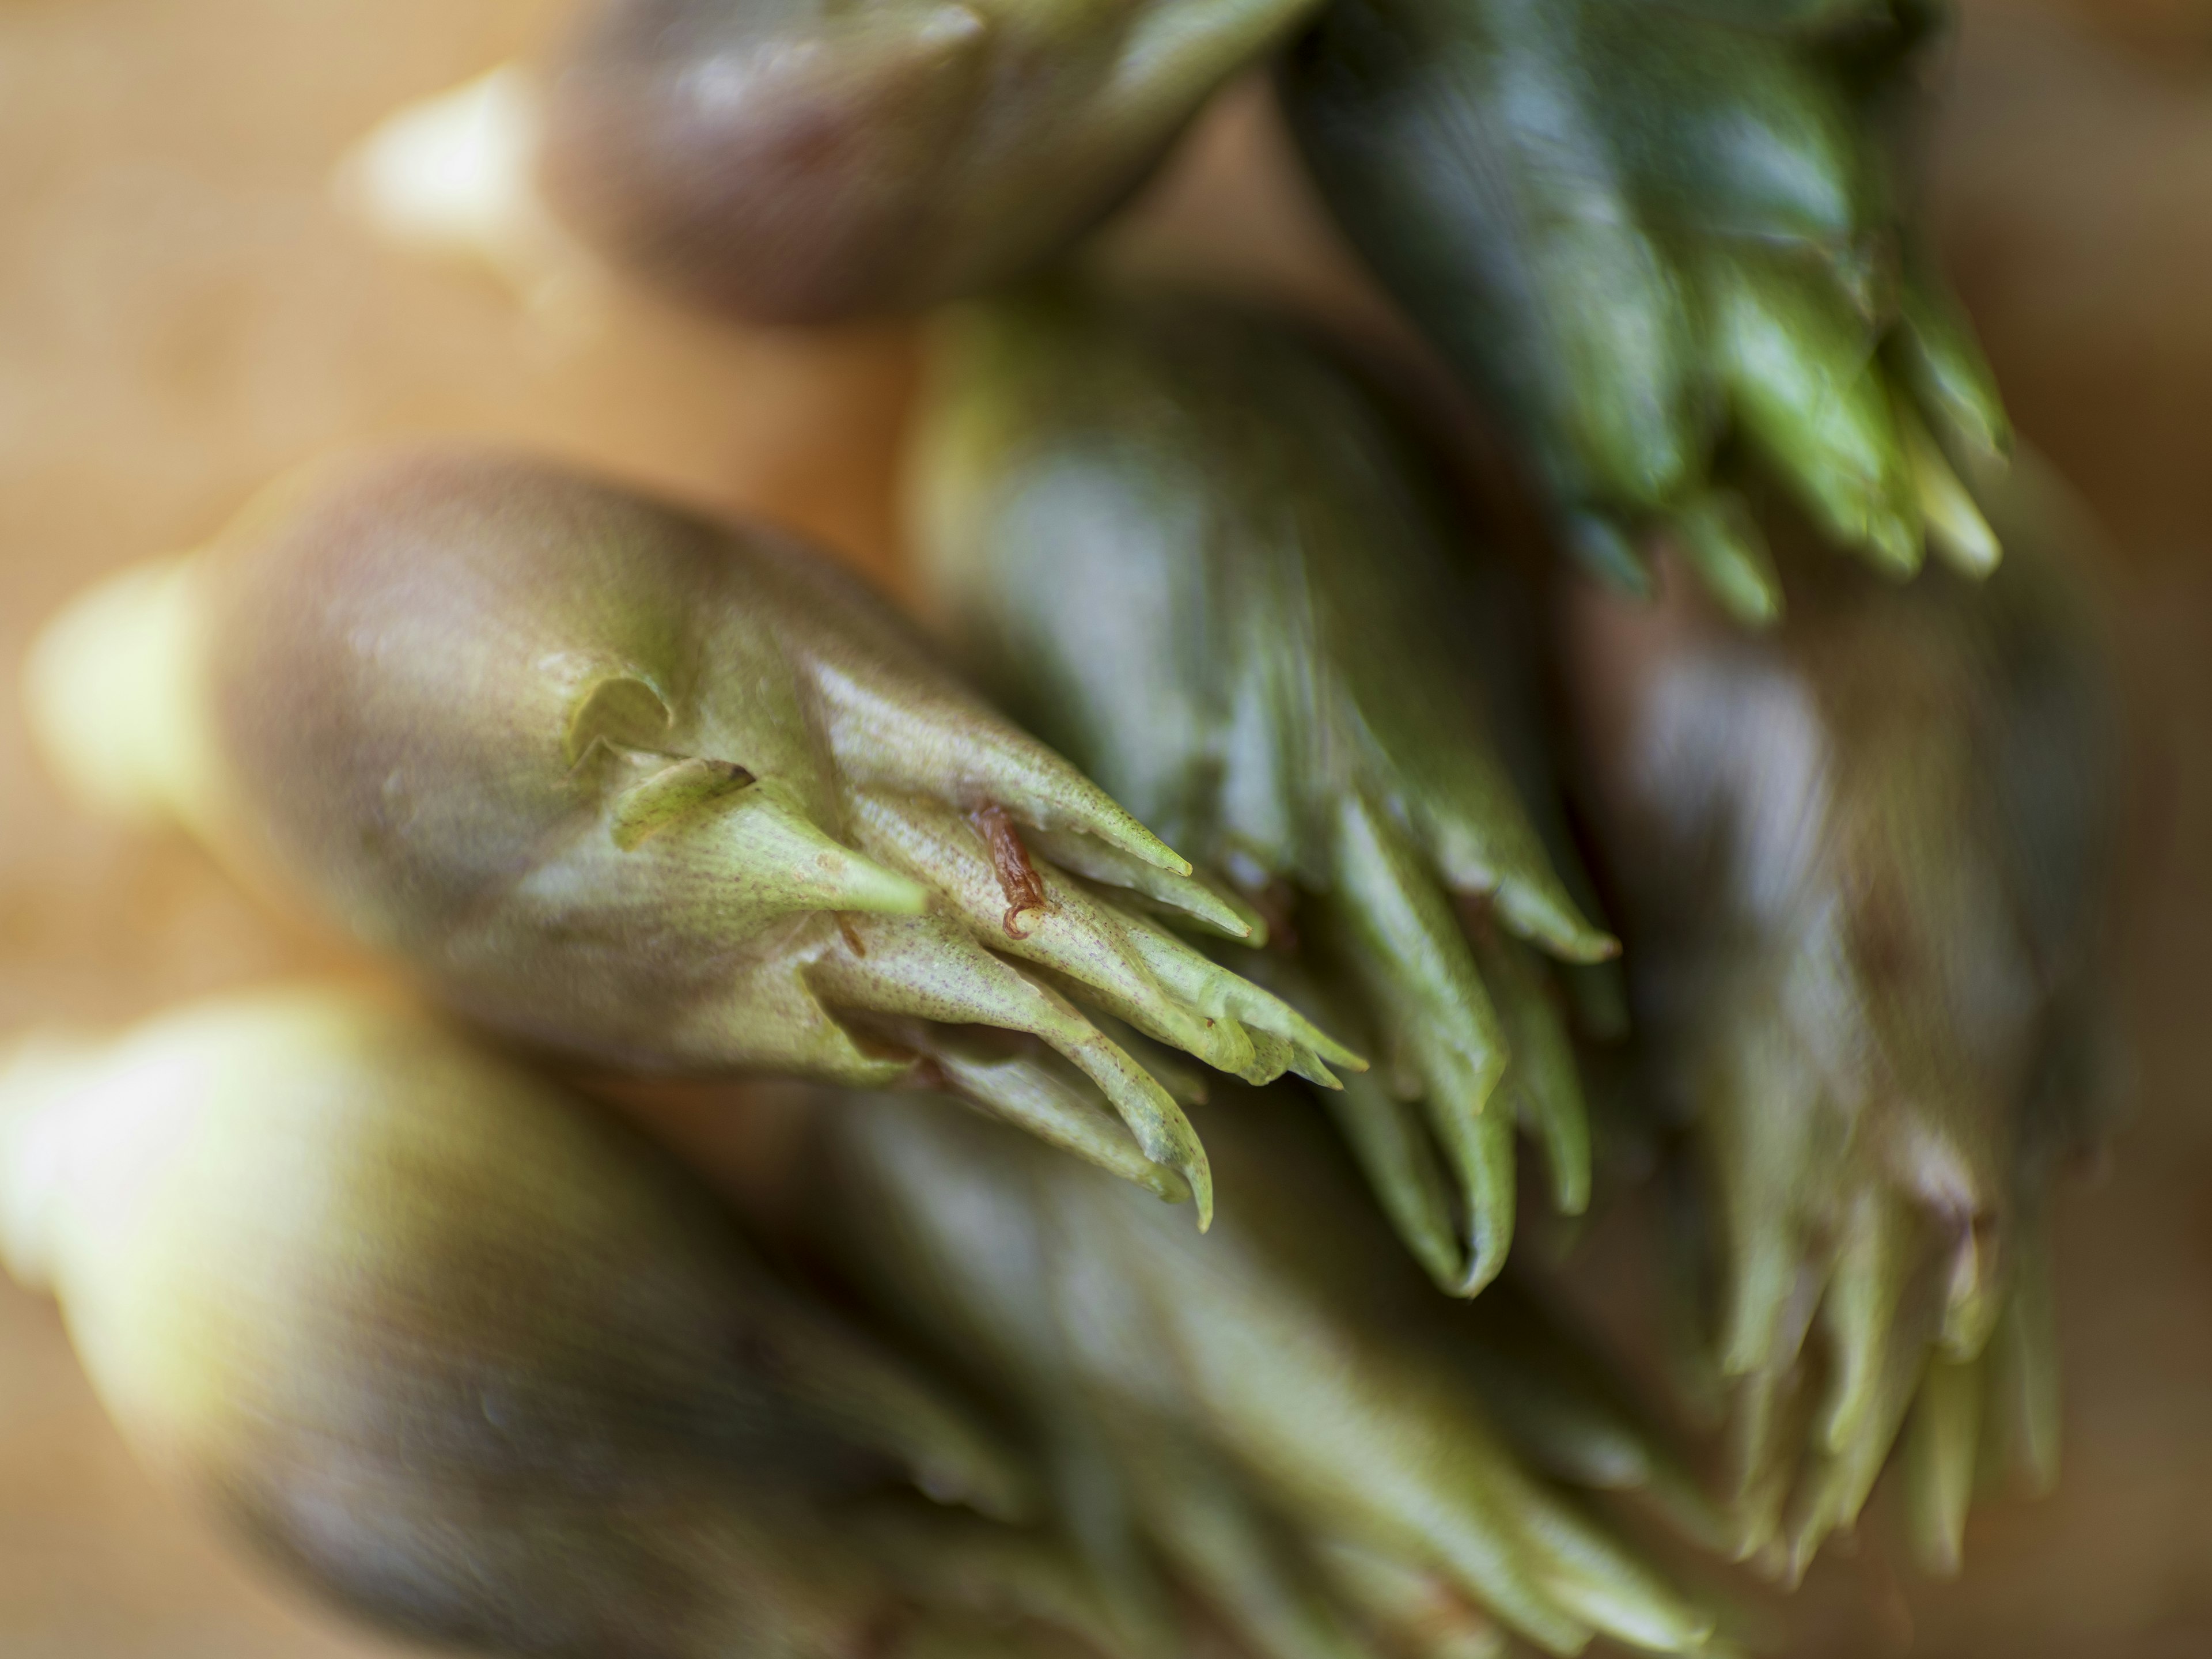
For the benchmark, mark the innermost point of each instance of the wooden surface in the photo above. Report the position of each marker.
(183, 311)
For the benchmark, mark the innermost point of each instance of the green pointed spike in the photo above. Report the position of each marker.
(1955, 525)
(1860, 1313)
(1763, 1114)
(1599, 1581)
(1540, 1078)
(1943, 366)
(1801, 378)
(1185, 1082)
(922, 970)
(1941, 1443)
(1403, 943)
(1836, 1487)
(1722, 543)
(1053, 1105)
(1385, 1135)
(1226, 1549)
(757, 841)
(1124, 962)
(1196, 898)
(1478, 1147)
(1205, 985)
(2023, 1371)
(1065, 931)
(1772, 1412)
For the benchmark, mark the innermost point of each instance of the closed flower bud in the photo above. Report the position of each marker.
(1862, 863)
(663, 793)
(1191, 549)
(801, 163)
(1656, 238)
(476, 1363)
(1282, 1420)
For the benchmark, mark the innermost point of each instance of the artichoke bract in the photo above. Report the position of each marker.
(1862, 865)
(661, 793)
(481, 1364)
(805, 163)
(1282, 1420)
(1196, 555)
(1658, 239)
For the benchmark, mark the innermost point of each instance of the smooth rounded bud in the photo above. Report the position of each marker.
(465, 1355)
(798, 162)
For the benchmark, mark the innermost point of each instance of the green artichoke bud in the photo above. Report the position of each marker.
(668, 794)
(805, 162)
(476, 1363)
(1194, 553)
(1282, 1420)
(1653, 236)
(1861, 864)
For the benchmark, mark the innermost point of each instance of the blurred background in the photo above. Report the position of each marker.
(188, 305)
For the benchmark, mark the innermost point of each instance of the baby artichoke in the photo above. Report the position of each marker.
(666, 793)
(1861, 864)
(809, 162)
(480, 1366)
(1652, 234)
(1282, 1419)
(1193, 552)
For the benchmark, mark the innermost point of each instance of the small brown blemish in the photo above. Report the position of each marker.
(852, 934)
(1017, 878)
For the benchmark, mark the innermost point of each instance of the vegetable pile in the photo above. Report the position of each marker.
(1753, 874)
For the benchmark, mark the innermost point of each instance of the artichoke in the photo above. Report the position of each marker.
(1194, 553)
(481, 1366)
(1654, 236)
(805, 162)
(665, 793)
(1281, 1420)
(1861, 864)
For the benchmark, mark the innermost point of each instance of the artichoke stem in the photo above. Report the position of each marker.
(36, 1080)
(99, 689)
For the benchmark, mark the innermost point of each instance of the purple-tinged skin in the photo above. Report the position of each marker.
(800, 162)
(660, 793)
(1862, 864)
